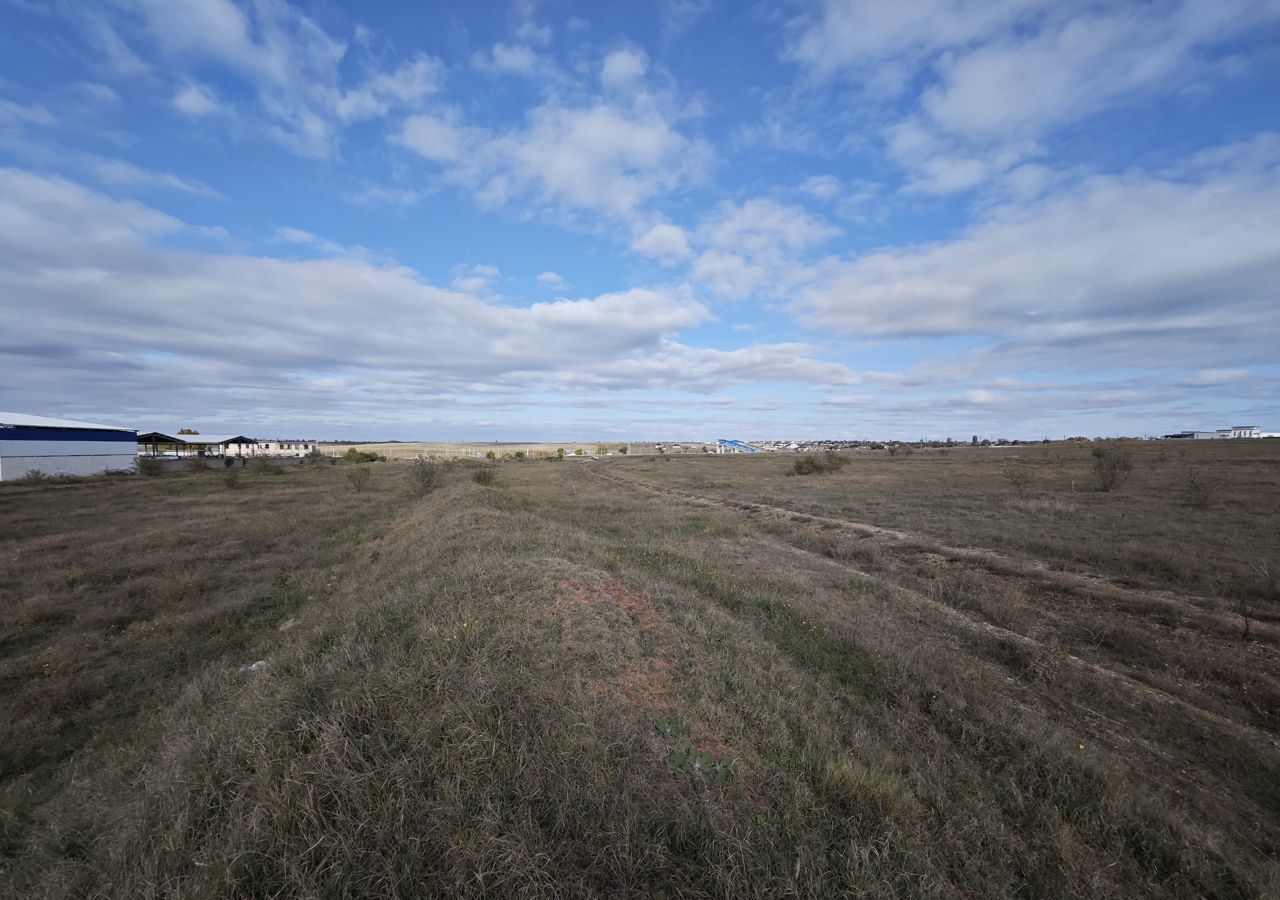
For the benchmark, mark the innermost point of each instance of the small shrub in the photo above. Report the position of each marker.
(519, 454)
(1019, 477)
(425, 476)
(486, 475)
(228, 462)
(907, 449)
(893, 449)
(359, 477)
(579, 452)
(231, 478)
(1111, 466)
(559, 453)
(267, 466)
(195, 464)
(148, 465)
(33, 476)
(314, 455)
(1201, 488)
(361, 456)
(806, 465)
(490, 454)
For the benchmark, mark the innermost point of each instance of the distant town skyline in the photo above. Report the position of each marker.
(688, 219)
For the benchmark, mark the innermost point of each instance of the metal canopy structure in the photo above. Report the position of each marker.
(196, 443)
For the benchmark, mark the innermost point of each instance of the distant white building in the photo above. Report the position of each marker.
(1235, 431)
(284, 448)
(61, 446)
(1241, 431)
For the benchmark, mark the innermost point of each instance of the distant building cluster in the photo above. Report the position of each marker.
(1235, 431)
(48, 446)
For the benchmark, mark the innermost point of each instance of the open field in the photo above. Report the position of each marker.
(697, 677)
(478, 449)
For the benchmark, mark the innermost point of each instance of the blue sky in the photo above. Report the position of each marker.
(680, 219)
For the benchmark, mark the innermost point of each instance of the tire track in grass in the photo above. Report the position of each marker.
(1258, 739)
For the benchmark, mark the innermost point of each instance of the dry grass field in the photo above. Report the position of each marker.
(478, 450)
(911, 675)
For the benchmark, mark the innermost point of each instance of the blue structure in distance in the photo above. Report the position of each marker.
(724, 445)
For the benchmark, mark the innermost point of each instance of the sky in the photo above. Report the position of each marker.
(680, 219)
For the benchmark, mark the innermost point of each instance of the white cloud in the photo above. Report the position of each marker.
(306, 85)
(195, 100)
(676, 366)
(606, 158)
(509, 59)
(755, 244)
(475, 279)
(821, 187)
(1145, 265)
(678, 16)
(20, 113)
(434, 138)
(551, 279)
(622, 70)
(119, 173)
(999, 77)
(729, 274)
(664, 242)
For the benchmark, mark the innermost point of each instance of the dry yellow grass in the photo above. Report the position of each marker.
(700, 678)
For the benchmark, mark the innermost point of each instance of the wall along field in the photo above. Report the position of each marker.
(909, 675)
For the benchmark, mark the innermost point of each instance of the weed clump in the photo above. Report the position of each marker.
(815, 465)
(1201, 488)
(425, 476)
(486, 475)
(1111, 466)
(195, 464)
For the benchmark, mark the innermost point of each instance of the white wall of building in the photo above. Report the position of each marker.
(17, 458)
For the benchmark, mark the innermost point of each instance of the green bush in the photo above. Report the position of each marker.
(830, 461)
(486, 475)
(361, 456)
(148, 465)
(359, 477)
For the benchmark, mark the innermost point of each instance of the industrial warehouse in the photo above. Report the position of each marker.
(62, 446)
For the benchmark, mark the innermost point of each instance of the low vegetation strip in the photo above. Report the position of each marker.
(554, 684)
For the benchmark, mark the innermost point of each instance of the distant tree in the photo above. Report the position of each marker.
(601, 450)
(1019, 477)
(187, 431)
(559, 453)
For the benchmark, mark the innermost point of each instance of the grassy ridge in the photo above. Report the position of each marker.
(559, 685)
